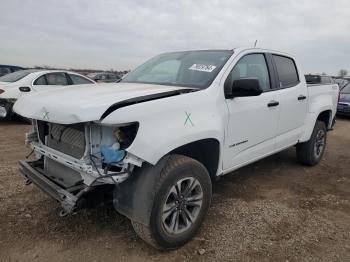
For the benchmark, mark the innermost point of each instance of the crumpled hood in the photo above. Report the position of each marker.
(82, 103)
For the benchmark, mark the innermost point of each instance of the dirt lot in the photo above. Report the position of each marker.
(274, 210)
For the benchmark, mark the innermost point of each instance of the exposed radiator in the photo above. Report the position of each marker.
(68, 139)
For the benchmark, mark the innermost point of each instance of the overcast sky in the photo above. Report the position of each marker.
(122, 34)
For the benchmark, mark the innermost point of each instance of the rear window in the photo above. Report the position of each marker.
(4, 71)
(313, 79)
(286, 70)
(15, 76)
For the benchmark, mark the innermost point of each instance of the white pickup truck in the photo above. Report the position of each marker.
(156, 140)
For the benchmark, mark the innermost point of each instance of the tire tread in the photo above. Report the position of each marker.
(144, 231)
(305, 150)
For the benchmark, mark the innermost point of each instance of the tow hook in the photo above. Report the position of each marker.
(28, 182)
(63, 213)
(68, 210)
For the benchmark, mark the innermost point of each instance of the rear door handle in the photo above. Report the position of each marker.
(273, 103)
(301, 97)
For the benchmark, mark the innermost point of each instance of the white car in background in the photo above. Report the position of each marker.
(13, 85)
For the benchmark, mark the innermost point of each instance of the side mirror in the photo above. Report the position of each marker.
(24, 89)
(242, 88)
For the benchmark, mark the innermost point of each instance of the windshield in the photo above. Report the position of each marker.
(15, 76)
(346, 89)
(341, 82)
(189, 69)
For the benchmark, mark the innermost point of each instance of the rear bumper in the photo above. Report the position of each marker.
(343, 112)
(343, 108)
(69, 198)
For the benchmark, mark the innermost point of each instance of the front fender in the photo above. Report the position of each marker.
(168, 123)
(134, 197)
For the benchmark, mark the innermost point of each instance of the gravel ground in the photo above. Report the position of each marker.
(273, 210)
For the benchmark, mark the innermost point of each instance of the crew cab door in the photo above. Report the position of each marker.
(293, 98)
(252, 121)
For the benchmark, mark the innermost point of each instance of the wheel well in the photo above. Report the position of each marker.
(205, 151)
(325, 117)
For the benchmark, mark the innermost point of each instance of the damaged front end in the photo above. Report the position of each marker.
(72, 160)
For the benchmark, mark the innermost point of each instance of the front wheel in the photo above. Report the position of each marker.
(180, 205)
(311, 152)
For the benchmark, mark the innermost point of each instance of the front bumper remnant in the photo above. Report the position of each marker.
(69, 198)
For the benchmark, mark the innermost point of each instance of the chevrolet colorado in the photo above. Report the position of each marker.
(156, 140)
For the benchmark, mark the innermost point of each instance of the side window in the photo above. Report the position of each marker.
(253, 65)
(40, 81)
(78, 80)
(56, 79)
(286, 70)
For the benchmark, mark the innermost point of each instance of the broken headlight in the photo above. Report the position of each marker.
(113, 140)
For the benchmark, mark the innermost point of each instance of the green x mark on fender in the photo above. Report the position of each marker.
(188, 118)
(46, 115)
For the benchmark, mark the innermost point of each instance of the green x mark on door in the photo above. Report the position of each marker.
(188, 118)
(46, 115)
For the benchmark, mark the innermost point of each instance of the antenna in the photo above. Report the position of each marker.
(256, 41)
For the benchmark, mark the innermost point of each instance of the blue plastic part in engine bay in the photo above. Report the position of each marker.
(112, 155)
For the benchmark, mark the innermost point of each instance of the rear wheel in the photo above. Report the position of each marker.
(180, 205)
(311, 152)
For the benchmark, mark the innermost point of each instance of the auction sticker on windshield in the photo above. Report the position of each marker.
(202, 68)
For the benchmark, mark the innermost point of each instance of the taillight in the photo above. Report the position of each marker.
(2, 91)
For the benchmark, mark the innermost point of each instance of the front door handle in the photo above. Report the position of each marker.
(301, 97)
(273, 103)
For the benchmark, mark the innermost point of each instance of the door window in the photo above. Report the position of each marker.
(57, 79)
(40, 81)
(251, 66)
(286, 70)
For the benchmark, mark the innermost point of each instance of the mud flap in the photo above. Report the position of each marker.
(134, 197)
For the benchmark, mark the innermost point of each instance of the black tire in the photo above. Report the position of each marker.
(180, 169)
(311, 152)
